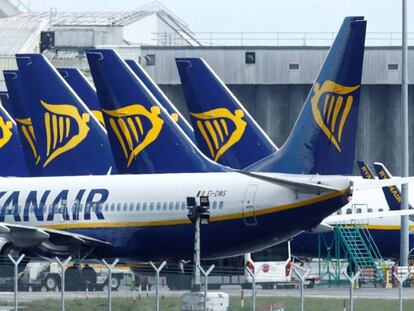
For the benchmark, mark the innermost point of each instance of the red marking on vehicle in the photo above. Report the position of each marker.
(265, 268)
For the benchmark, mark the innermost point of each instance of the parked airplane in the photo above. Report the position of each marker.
(84, 89)
(11, 153)
(5, 101)
(391, 193)
(144, 216)
(224, 130)
(144, 136)
(202, 87)
(57, 126)
(19, 111)
(161, 97)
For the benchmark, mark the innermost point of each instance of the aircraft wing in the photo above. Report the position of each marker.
(50, 241)
(334, 219)
(366, 184)
(329, 222)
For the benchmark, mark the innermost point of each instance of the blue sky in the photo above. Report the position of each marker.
(258, 15)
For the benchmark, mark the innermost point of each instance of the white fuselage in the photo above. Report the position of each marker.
(98, 204)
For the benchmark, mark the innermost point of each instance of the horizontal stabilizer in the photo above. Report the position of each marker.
(300, 186)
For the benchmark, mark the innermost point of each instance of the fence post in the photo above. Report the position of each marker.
(351, 291)
(400, 286)
(62, 280)
(302, 279)
(109, 282)
(253, 275)
(16, 277)
(206, 273)
(157, 275)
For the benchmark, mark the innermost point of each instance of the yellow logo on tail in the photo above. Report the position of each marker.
(98, 114)
(26, 127)
(329, 110)
(128, 126)
(6, 131)
(214, 128)
(58, 124)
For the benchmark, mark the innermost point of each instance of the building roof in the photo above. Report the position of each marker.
(55, 18)
(83, 18)
(19, 35)
(100, 18)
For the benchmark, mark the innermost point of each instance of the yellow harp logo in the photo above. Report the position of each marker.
(59, 121)
(6, 131)
(220, 129)
(98, 114)
(26, 128)
(331, 104)
(129, 125)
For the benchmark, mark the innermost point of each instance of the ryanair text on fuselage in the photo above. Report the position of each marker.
(45, 206)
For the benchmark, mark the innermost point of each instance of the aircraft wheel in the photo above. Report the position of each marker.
(89, 278)
(51, 283)
(115, 283)
(73, 280)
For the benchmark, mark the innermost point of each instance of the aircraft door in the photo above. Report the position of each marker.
(248, 207)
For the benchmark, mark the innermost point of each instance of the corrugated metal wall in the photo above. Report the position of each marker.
(272, 64)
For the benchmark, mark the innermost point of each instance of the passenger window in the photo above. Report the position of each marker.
(158, 206)
(165, 205)
(348, 211)
(80, 208)
(370, 210)
(138, 206)
(151, 207)
(380, 210)
(118, 207)
(144, 206)
(106, 207)
(177, 207)
(221, 205)
(183, 205)
(131, 207)
(171, 206)
(214, 204)
(125, 206)
(112, 207)
(359, 211)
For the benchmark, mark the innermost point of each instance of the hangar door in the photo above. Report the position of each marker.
(249, 211)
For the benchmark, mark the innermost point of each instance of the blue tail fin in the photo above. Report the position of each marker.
(143, 135)
(19, 110)
(224, 130)
(80, 84)
(68, 138)
(161, 97)
(323, 139)
(13, 162)
(364, 170)
(392, 193)
(5, 101)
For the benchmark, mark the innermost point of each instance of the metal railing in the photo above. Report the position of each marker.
(275, 38)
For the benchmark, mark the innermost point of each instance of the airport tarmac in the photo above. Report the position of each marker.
(342, 293)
